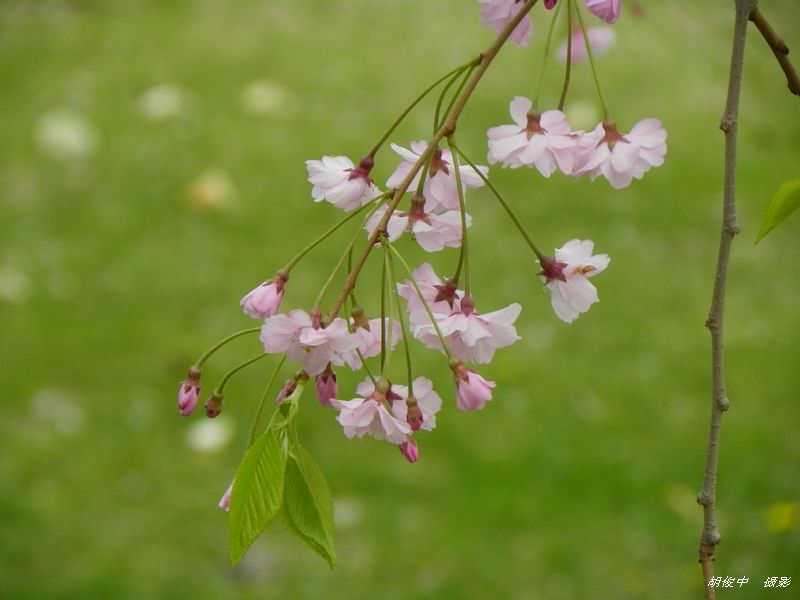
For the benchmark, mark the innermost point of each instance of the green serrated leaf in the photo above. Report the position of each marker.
(785, 201)
(308, 506)
(257, 493)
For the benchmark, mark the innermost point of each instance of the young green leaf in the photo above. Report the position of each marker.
(308, 506)
(257, 493)
(785, 201)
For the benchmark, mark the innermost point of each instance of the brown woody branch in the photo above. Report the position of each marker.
(710, 536)
(778, 47)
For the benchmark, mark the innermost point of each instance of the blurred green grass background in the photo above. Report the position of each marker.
(151, 172)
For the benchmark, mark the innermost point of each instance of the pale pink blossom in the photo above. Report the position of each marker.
(470, 335)
(600, 40)
(367, 337)
(337, 180)
(225, 501)
(432, 231)
(370, 414)
(410, 451)
(305, 341)
(326, 386)
(499, 13)
(428, 402)
(440, 188)
(621, 157)
(264, 301)
(472, 390)
(567, 278)
(441, 296)
(607, 10)
(189, 394)
(544, 140)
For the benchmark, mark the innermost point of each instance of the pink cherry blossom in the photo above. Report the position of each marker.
(544, 140)
(428, 402)
(225, 501)
(431, 230)
(326, 386)
(305, 341)
(471, 336)
(607, 10)
(472, 390)
(410, 451)
(567, 278)
(367, 337)
(621, 157)
(337, 180)
(189, 394)
(440, 188)
(370, 414)
(263, 301)
(600, 40)
(441, 296)
(499, 13)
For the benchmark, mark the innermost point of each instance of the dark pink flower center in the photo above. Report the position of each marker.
(552, 269)
(612, 135)
(439, 164)
(534, 125)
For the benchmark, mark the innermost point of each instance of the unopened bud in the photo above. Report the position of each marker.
(214, 405)
(189, 392)
(410, 451)
(326, 386)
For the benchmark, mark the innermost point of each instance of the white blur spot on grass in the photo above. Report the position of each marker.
(15, 287)
(262, 97)
(209, 435)
(65, 134)
(162, 102)
(212, 189)
(58, 410)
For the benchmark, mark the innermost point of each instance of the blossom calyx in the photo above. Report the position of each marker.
(414, 415)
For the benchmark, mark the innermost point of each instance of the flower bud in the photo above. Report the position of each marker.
(214, 405)
(189, 392)
(410, 451)
(225, 501)
(472, 390)
(264, 301)
(326, 386)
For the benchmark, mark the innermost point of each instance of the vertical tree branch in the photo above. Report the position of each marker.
(719, 399)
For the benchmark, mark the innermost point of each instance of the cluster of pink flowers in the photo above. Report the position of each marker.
(436, 312)
(546, 141)
(497, 14)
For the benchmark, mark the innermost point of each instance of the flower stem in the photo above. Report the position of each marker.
(447, 128)
(414, 103)
(401, 318)
(464, 80)
(463, 256)
(205, 356)
(383, 314)
(428, 310)
(590, 54)
(221, 386)
(328, 233)
(568, 70)
(440, 101)
(257, 418)
(539, 254)
(342, 259)
(546, 56)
